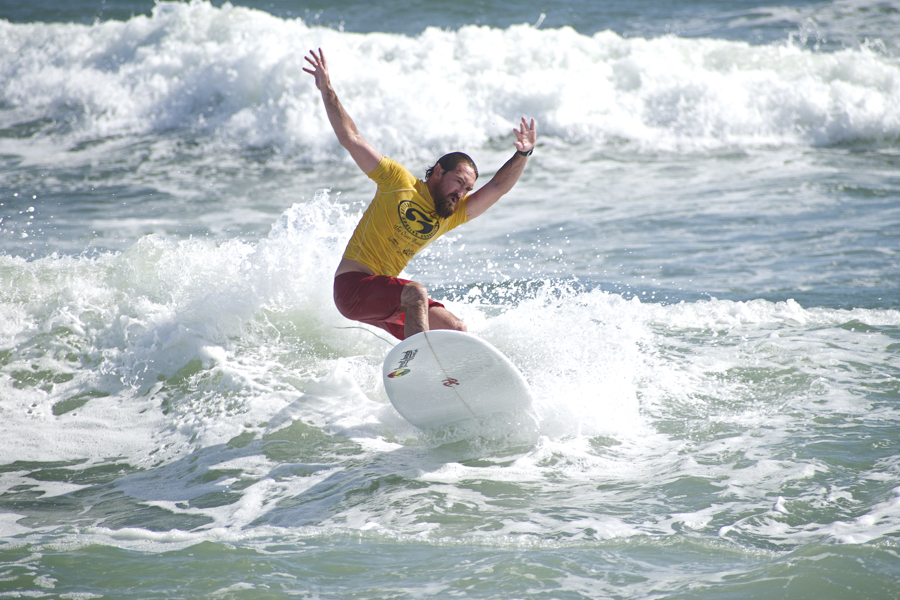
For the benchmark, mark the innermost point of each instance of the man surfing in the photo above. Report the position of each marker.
(405, 216)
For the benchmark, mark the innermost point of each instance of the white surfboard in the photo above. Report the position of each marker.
(439, 377)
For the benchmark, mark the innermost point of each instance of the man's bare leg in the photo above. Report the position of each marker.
(441, 318)
(419, 317)
(414, 301)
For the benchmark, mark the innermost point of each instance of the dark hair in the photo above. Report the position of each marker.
(450, 161)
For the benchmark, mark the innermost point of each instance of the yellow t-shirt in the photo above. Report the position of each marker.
(399, 222)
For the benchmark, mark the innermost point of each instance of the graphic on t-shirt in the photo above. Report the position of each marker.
(417, 221)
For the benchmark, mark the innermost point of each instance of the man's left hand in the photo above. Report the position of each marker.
(526, 135)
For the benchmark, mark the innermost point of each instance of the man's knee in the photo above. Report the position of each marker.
(441, 318)
(413, 295)
(460, 325)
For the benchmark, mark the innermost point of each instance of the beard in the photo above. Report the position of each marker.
(444, 207)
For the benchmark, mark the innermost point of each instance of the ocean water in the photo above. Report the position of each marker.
(698, 274)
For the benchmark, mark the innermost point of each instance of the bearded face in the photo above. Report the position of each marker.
(451, 187)
(445, 207)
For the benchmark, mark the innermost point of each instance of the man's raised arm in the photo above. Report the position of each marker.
(348, 135)
(508, 175)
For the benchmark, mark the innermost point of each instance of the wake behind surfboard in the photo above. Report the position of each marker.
(439, 377)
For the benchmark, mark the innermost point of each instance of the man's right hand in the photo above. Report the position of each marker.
(345, 129)
(319, 70)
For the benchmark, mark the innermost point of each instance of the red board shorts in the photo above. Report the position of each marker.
(373, 300)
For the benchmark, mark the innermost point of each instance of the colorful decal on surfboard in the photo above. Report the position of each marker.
(402, 368)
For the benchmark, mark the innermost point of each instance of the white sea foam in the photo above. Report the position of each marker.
(199, 386)
(234, 76)
(220, 357)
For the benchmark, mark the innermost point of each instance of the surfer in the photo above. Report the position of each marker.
(405, 216)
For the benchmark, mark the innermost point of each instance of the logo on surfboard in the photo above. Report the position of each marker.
(402, 368)
(450, 382)
(407, 358)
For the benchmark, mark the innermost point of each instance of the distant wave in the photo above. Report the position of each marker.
(234, 75)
